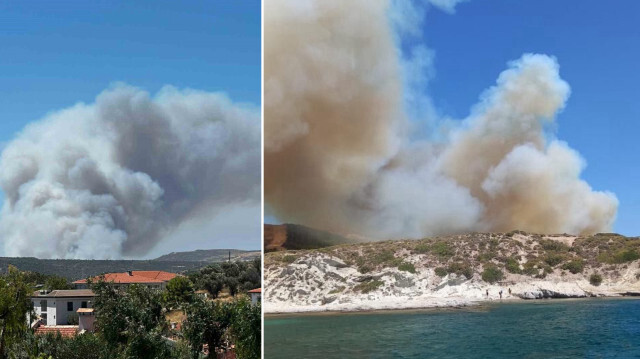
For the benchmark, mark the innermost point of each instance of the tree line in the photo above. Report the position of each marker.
(131, 321)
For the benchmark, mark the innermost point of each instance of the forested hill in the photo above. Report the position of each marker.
(73, 269)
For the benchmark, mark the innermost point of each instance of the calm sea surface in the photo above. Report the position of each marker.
(588, 328)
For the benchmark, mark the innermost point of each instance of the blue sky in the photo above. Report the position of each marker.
(55, 54)
(597, 45)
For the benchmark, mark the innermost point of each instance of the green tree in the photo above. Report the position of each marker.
(179, 292)
(246, 328)
(206, 323)
(14, 307)
(131, 320)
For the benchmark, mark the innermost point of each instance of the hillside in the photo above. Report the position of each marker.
(74, 269)
(451, 271)
(293, 237)
(210, 255)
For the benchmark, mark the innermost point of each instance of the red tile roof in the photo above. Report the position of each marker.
(135, 277)
(257, 290)
(64, 330)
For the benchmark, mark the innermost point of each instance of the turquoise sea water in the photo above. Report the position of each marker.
(588, 328)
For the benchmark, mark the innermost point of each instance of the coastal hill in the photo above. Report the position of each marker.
(293, 237)
(73, 269)
(210, 255)
(451, 271)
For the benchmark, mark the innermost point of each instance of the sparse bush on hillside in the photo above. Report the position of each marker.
(441, 271)
(486, 257)
(551, 245)
(422, 248)
(595, 279)
(369, 286)
(460, 268)
(553, 259)
(289, 258)
(512, 266)
(364, 268)
(575, 266)
(492, 274)
(625, 255)
(407, 267)
(443, 250)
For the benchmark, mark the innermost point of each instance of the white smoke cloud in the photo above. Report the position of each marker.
(109, 179)
(339, 154)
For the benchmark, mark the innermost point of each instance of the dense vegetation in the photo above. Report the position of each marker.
(131, 322)
(234, 276)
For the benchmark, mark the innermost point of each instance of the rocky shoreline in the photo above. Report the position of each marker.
(400, 275)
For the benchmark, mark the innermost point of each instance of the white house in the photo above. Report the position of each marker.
(59, 307)
(256, 295)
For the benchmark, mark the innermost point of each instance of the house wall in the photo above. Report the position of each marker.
(255, 298)
(57, 313)
(86, 321)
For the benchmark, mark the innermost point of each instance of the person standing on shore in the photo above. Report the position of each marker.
(487, 293)
(500, 293)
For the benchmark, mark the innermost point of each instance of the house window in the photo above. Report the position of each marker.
(69, 306)
(83, 305)
(43, 316)
(43, 305)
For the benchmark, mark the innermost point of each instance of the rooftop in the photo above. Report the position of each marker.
(135, 276)
(257, 290)
(64, 330)
(71, 293)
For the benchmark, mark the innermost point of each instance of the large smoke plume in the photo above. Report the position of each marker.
(338, 153)
(109, 179)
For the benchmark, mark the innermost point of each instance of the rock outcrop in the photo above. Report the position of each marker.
(451, 271)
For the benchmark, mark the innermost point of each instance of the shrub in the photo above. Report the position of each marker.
(487, 256)
(491, 274)
(595, 279)
(442, 249)
(575, 266)
(460, 268)
(627, 255)
(407, 267)
(422, 248)
(382, 257)
(553, 259)
(441, 271)
(289, 258)
(367, 287)
(512, 266)
(530, 268)
(551, 245)
(364, 268)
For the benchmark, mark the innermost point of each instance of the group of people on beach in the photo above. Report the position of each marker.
(500, 292)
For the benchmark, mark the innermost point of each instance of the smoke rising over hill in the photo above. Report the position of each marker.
(337, 149)
(110, 179)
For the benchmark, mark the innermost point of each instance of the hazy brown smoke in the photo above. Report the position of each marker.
(337, 153)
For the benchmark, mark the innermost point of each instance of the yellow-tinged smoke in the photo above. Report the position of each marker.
(338, 155)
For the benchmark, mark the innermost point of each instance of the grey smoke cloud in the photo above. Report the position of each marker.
(110, 179)
(338, 147)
